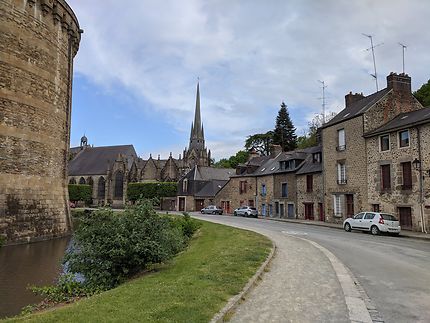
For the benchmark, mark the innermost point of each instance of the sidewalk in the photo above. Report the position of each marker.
(404, 233)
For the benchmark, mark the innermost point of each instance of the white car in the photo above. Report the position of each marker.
(246, 211)
(374, 222)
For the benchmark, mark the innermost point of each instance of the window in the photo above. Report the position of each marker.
(72, 181)
(263, 209)
(376, 208)
(185, 186)
(404, 138)
(385, 177)
(284, 190)
(82, 180)
(119, 185)
(359, 216)
(407, 176)
(369, 216)
(341, 173)
(242, 187)
(263, 190)
(287, 164)
(316, 157)
(384, 143)
(337, 205)
(101, 188)
(309, 183)
(341, 145)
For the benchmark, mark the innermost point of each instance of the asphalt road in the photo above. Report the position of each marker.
(394, 271)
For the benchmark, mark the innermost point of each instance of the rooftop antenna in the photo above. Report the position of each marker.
(403, 49)
(323, 99)
(375, 76)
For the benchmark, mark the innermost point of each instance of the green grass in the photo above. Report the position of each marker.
(191, 288)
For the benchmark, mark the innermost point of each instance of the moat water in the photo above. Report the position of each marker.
(26, 265)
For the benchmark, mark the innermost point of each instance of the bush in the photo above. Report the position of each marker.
(110, 248)
(79, 192)
(135, 191)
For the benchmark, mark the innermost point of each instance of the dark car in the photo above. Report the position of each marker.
(211, 209)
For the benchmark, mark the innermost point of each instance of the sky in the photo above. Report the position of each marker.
(136, 71)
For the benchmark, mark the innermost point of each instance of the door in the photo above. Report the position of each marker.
(357, 221)
(368, 220)
(182, 204)
(321, 212)
(225, 205)
(309, 211)
(282, 210)
(349, 205)
(263, 209)
(291, 211)
(200, 204)
(405, 215)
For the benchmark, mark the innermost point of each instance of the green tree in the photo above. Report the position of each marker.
(239, 158)
(309, 138)
(284, 133)
(423, 94)
(261, 142)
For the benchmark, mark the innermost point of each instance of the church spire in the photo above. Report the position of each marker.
(196, 128)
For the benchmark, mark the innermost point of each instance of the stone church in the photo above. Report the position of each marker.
(109, 169)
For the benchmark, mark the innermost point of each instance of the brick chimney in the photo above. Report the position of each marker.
(400, 83)
(352, 98)
(275, 149)
(252, 154)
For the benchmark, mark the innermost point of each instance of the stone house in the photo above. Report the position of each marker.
(309, 186)
(198, 187)
(345, 155)
(398, 156)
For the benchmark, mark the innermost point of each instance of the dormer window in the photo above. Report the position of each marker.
(316, 157)
(287, 164)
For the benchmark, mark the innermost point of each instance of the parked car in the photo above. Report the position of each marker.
(211, 209)
(374, 222)
(246, 211)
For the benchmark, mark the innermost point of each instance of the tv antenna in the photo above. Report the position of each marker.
(323, 99)
(403, 50)
(375, 76)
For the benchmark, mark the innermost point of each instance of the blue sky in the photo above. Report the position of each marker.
(137, 67)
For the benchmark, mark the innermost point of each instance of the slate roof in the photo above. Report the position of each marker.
(75, 150)
(402, 121)
(94, 160)
(357, 108)
(204, 173)
(211, 188)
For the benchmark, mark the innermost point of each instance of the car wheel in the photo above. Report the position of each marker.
(202, 212)
(347, 227)
(214, 212)
(246, 214)
(374, 230)
(235, 213)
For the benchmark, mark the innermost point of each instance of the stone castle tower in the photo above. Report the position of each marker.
(197, 153)
(38, 41)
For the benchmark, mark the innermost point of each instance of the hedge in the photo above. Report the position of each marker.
(151, 190)
(80, 192)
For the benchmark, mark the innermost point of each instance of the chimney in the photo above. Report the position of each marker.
(252, 154)
(275, 149)
(352, 98)
(400, 83)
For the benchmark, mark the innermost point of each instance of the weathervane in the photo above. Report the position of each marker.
(375, 76)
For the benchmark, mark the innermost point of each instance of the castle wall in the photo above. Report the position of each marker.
(38, 40)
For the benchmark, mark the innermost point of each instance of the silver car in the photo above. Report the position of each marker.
(211, 209)
(246, 211)
(374, 222)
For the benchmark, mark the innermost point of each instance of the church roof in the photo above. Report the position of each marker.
(95, 160)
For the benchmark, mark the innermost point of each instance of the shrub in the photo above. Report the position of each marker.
(79, 192)
(151, 190)
(111, 247)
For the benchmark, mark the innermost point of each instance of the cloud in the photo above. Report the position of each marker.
(249, 55)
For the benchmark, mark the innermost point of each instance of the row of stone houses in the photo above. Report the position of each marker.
(374, 155)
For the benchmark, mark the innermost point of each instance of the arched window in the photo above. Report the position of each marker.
(119, 184)
(101, 188)
(90, 181)
(185, 186)
(72, 181)
(82, 180)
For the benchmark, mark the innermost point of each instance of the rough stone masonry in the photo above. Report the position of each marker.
(38, 41)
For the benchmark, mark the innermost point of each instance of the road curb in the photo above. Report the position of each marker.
(235, 300)
(425, 238)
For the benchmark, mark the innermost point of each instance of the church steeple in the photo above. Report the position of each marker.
(197, 138)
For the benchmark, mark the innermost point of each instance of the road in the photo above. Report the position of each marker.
(393, 271)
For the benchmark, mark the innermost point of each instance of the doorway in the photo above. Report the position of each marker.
(349, 205)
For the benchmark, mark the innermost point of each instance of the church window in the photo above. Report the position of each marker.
(119, 184)
(90, 181)
(82, 180)
(101, 188)
(72, 181)
(185, 185)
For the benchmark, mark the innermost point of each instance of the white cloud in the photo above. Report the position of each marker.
(250, 55)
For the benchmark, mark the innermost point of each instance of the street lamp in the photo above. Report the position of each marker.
(417, 166)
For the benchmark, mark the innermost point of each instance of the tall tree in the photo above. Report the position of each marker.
(284, 133)
(309, 138)
(423, 94)
(260, 142)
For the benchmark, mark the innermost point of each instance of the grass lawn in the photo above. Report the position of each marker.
(193, 287)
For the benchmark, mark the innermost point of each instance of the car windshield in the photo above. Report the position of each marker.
(388, 217)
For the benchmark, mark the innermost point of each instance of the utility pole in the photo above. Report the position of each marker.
(323, 99)
(372, 48)
(403, 50)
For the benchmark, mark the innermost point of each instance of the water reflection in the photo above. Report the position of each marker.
(29, 264)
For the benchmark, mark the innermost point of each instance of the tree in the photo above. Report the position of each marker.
(423, 94)
(261, 142)
(239, 158)
(284, 133)
(309, 139)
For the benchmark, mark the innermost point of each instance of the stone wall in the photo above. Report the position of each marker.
(315, 197)
(231, 193)
(38, 40)
(283, 201)
(267, 199)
